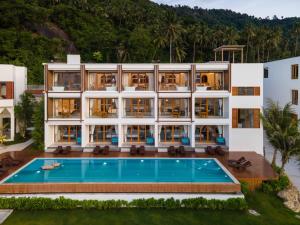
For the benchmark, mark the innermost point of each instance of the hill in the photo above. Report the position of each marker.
(36, 31)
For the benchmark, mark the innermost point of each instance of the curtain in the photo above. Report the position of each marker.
(92, 130)
(220, 130)
(220, 106)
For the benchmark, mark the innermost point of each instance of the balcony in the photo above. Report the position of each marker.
(139, 107)
(102, 134)
(174, 135)
(138, 81)
(102, 81)
(174, 81)
(64, 108)
(174, 108)
(209, 107)
(138, 134)
(103, 108)
(64, 81)
(209, 135)
(69, 135)
(212, 81)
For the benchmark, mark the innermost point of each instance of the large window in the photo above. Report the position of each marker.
(103, 107)
(246, 91)
(295, 71)
(67, 134)
(137, 133)
(208, 134)
(295, 97)
(209, 107)
(245, 118)
(174, 107)
(266, 73)
(139, 107)
(173, 133)
(64, 81)
(64, 108)
(138, 81)
(210, 81)
(174, 81)
(102, 81)
(102, 133)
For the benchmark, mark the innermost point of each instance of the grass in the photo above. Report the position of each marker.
(270, 207)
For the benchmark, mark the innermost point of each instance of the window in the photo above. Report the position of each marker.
(295, 71)
(208, 107)
(245, 118)
(295, 97)
(102, 133)
(245, 91)
(266, 72)
(174, 107)
(103, 107)
(64, 108)
(102, 81)
(139, 107)
(2, 90)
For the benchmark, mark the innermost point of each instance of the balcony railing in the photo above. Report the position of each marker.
(138, 81)
(64, 81)
(207, 81)
(170, 81)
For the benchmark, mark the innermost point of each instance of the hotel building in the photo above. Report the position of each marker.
(155, 105)
(13, 83)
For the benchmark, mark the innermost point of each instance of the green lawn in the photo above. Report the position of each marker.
(271, 208)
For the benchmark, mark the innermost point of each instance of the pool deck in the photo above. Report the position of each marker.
(254, 176)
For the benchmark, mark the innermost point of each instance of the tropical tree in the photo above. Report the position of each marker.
(249, 32)
(282, 130)
(38, 124)
(24, 112)
(296, 35)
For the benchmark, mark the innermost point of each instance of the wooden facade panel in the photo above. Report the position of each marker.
(10, 90)
(119, 188)
(50, 107)
(49, 79)
(235, 118)
(234, 91)
(256, 123)
(257, 91)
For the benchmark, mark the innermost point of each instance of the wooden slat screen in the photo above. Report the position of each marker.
(10, 90)
(49, 79)
(50, 108)
(257, 91)
(256, 118)
(234, 91)
(234, 118)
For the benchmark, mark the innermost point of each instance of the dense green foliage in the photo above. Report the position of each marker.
(38, 124)
(23, 113)
(275, 186)
(270, 207)
(24, 203)
(36, 31)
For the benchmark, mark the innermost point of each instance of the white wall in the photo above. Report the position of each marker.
(246, 139)
(279, 84)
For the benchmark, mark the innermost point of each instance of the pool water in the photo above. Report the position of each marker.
(121, 170)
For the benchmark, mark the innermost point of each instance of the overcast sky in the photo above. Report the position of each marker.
(258, 8)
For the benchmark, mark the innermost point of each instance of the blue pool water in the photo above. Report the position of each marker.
(121, 170)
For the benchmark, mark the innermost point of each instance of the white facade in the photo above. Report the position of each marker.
(279, 84)
(175, 110)
(13, 83)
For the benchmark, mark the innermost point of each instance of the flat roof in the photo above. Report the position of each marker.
(229, 47)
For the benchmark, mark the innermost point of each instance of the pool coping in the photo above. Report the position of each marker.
(227, 172)
(121, 187)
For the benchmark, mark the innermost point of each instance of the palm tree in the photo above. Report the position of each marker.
(159, 40)
(296, 35)
(273, 40)
(282, 131)
(173, 30)
(249, 32)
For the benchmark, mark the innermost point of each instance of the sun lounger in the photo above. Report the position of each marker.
(232, 162)
(242, 165)
(210, 150)
(11, 162)
(171, 150)
(97, 150)
(58, 150)
(105, 150)
(181, 150)
(219, 150)
(141, 150)
(133, 150)
(67, 150)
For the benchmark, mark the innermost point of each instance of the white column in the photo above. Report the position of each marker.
(120, 135)
(156, 135)
(192, 136)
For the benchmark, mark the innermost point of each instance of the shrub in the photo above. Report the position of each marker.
(274, 186)
(24, 203)
(245, 187)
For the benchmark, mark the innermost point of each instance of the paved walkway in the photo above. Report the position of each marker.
(4, 213)
(292, 168)
(15, 147)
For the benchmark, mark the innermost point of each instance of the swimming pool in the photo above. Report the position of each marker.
(123, 170)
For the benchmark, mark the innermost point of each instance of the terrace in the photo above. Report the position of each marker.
(212, 81)
(174, 107)
(139, 107)
(138, 81)
(59, 81)
(174, 81)
(102, 81)
(64, 108)
(103, 107)
(260, 171)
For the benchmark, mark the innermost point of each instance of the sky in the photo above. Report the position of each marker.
(258, 8)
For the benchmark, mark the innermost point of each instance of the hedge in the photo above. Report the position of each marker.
(36, 203)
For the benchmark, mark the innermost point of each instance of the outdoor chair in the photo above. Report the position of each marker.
(58, 150)
(219, 150)
(97, 150)
(105, 150)
(141, 150)
(210, 150)
(232, 162)
(66, 150)
(171, 151)
(243, 165)
(181, 150)
(133, 150)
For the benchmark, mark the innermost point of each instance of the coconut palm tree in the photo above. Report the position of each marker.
(282, 130)
(250, 33)
(296, 35)
(173, 31)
